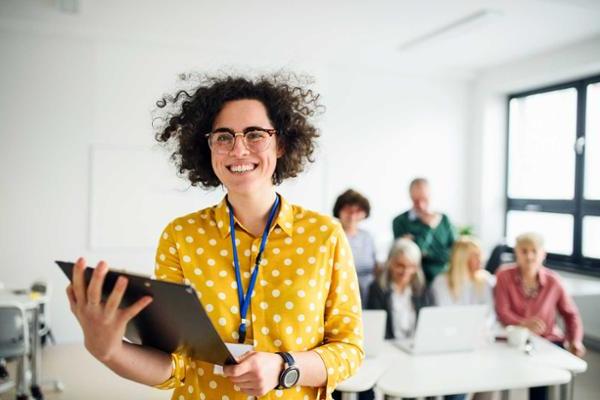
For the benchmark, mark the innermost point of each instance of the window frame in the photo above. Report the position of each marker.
(578, 207)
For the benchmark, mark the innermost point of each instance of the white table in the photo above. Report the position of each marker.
(31, 304)
(548, 354)
(492, 368)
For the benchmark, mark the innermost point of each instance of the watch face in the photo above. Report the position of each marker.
(291, 377)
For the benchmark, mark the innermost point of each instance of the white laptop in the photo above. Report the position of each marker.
(447, 329)
(374, 331)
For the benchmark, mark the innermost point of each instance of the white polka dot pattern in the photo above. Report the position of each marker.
(288, 309)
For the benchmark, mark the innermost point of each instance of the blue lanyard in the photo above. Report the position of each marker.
(245, 300)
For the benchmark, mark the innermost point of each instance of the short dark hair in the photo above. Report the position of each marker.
(417, 181)
(189, 114)
(351, 198)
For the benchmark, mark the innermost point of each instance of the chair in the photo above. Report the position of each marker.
(374, 331)
(14, 343)
(43, 289)
(501, 254)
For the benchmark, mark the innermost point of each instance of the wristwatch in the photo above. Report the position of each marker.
(290, 374)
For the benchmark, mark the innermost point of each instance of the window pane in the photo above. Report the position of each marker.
(557, 229)
(591, 237)
(541, 160)
(592, 143)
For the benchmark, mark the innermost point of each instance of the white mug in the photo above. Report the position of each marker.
(517, 335)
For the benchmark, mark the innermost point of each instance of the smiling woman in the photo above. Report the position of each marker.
(288, 107)
(271, 275)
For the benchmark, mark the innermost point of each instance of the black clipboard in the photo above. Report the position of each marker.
(174, 321)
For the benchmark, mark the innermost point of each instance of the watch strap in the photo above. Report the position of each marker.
(287, 358)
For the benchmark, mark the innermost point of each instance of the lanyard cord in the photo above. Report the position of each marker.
(244, 301)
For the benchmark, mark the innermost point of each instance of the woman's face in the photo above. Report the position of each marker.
(351, 214)
(474, 261)
(401, 270)
(529, 257)
(242, 171)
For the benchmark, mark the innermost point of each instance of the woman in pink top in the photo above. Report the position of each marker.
(529, 294)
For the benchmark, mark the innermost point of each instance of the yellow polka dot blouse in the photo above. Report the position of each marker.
(306, 296)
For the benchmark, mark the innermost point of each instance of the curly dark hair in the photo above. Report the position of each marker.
(189, 114)
(351, 198)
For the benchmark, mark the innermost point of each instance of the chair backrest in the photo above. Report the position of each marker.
(500, 255)
(374, 331)
(39, 287)
(44, 289)
(14, 331)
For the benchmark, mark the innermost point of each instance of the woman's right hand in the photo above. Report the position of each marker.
(103, 324)
(535, 325)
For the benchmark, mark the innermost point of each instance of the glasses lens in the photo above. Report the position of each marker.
(221, 141)
(256, 140)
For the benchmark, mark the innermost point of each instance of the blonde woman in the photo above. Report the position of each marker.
(465, 282)
(400, 289)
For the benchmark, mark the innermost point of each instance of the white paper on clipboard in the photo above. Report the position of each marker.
(237, 350)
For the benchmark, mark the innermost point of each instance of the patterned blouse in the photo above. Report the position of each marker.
(306, 296)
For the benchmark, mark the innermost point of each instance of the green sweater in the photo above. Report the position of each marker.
(435, 244)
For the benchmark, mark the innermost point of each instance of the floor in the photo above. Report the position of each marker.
(85, 378)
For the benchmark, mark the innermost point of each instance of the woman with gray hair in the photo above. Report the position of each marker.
(400, 289)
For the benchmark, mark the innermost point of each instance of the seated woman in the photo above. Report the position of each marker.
(400, 290)
(351, 208)
(465, 282)
(529, 294)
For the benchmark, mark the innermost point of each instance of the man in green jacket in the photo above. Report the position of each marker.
(432, 231)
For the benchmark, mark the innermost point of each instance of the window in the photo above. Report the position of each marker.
(553, 171)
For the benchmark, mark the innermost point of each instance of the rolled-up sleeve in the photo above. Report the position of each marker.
(342, 348)
(567, 308)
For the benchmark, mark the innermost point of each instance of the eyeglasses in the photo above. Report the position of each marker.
(222, 140)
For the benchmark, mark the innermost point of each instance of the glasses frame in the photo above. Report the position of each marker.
(242, 133)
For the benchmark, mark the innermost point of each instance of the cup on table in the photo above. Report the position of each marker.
(517, 336)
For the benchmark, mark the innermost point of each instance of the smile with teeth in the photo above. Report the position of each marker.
(242, 168)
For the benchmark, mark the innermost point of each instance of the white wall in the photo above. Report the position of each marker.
(487, 153)
(65, 95)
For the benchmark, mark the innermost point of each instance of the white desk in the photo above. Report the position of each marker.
(547, 354)
(493, 368)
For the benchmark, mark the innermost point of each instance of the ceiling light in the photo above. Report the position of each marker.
(459, 26)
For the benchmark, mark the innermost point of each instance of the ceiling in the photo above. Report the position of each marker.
(337, 32)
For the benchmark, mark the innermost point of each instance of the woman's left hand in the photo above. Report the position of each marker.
(256, 372)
